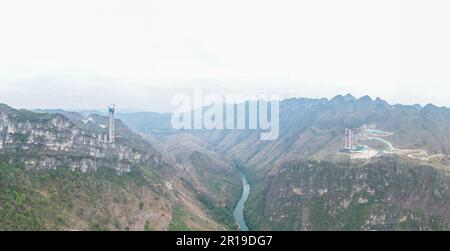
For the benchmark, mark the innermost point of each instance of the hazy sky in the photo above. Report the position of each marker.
(88, 53)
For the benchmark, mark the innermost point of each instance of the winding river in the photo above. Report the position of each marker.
(238, 213)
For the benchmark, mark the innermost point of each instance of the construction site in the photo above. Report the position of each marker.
(356, 150)
(352, 145)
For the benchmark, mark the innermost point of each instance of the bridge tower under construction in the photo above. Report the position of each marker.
(352, 137)
(111, 109)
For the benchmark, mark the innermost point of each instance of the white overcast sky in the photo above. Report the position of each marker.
(88, 53)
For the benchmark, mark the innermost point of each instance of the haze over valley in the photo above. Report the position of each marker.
(60, 170)
(109, 117)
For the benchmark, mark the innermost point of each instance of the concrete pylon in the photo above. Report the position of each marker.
(111, 109)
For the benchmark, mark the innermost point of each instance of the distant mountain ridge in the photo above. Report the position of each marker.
(58, 171)
(188, 178)
(300, 181)
(313, 128)
(57, 139)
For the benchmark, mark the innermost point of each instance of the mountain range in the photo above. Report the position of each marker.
(59, 172)
(313, 130)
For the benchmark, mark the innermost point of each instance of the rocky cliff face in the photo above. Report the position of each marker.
(211, 178)
(386, 194)
(383, 195)
(47, 141)
(313, 129)
(58, 172)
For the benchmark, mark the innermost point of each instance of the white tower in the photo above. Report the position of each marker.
(346, 138)
(350, 138)
(112, 132)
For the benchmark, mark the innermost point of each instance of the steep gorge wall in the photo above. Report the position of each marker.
(46, 141)
(383, 195)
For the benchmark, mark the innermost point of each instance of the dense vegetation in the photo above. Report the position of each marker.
(387, 194)
(65, 199)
